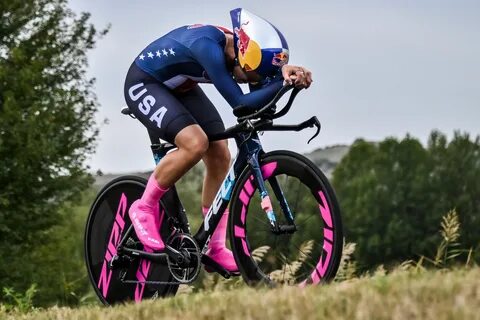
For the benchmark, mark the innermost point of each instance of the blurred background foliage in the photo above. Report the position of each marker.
(47, 131)
(393, 194)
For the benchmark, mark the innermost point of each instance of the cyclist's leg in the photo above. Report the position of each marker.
(217, 161)
(162, 113)
(217, 158)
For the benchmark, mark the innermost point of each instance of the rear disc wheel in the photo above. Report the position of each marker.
(107, 223)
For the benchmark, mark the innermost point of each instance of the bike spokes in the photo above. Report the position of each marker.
(290, 254)
(306, 246)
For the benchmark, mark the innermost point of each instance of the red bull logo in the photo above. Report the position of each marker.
(243, 38)
(280, 59)
(249, 52)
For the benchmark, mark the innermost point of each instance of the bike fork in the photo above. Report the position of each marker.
(266, 202)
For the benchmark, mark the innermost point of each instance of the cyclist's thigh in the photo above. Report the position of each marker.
(202, 110)
(155, 106)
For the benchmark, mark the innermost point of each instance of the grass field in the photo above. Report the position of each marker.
(400, 295)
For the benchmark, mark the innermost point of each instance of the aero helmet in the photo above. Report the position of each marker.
(259, 45)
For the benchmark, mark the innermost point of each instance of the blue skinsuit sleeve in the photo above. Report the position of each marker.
(212, 58)
(257, 86)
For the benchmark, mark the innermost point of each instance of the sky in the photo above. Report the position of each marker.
(380, 68)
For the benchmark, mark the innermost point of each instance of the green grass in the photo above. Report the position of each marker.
(401, 295)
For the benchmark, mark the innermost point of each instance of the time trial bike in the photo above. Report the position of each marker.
(284, 223)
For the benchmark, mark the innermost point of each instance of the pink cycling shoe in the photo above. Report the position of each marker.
(145, 216)
(223, 257)
(217, 250)
(146, 222)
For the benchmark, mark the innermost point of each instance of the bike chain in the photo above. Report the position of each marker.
(124, 273)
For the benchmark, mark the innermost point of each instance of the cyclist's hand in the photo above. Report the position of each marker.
(299, 76)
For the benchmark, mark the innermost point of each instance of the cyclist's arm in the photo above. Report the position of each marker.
(260, 85)
(212, 58)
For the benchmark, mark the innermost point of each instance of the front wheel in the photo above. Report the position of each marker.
(310, 254)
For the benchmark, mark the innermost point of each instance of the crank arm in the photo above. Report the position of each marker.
(160, 257)
(177, 257)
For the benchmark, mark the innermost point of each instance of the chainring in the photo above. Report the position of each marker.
(187, 245)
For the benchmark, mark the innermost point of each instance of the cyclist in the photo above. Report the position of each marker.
(161, 90)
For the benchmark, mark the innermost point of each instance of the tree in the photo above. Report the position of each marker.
(394, 193)
(454, 181)
(47, 126)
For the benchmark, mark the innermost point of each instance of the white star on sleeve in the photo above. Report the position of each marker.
(165, 53)
(158, 54)
(150, 55)
(171, 51)
(142, 57)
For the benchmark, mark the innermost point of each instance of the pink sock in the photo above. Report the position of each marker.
(216, 247)
(205, 210)
(218, 237)
(153, 192)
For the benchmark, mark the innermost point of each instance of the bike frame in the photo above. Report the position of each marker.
(249, 150)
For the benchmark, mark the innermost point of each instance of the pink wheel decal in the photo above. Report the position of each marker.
(115, 237)
(324, 262)
(143, 270)
(142, 275)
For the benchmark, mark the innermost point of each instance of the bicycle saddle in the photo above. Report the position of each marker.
(126, 111)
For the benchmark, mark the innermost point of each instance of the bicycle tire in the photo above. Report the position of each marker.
(244, 240)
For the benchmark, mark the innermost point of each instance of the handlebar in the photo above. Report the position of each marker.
(264, 119)
(241, 111)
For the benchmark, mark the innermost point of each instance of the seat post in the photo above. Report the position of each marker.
(154, 139)
(159, 147)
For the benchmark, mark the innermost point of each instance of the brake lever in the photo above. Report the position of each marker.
(315, 123)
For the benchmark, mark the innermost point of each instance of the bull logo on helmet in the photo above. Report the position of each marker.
(243, 38)
(280, 59)
(249, 52)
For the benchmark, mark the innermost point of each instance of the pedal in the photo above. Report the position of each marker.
(212, 266)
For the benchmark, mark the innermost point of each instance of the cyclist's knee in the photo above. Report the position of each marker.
(217, 156)
(198, 146)
(194, 141)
